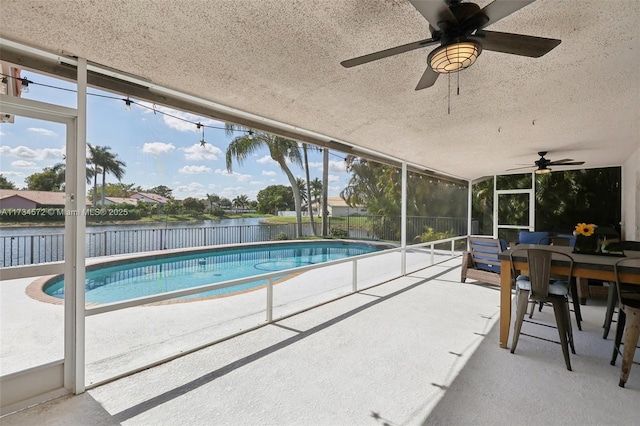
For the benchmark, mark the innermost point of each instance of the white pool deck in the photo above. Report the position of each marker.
(421, 349)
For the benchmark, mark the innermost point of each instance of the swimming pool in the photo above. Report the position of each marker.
(131, 278)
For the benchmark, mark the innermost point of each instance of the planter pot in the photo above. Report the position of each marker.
(586, 244)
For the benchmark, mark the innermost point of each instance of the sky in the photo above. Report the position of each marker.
(158, 149)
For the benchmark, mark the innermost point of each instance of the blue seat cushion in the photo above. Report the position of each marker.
(558, 288)
(539, 237)
(478, 256)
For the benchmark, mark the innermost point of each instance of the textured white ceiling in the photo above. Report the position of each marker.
(281, 59)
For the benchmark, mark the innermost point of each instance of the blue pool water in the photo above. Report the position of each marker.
(163, 273)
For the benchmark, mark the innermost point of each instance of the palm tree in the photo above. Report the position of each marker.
(325, 189)
(96, 155)
(316, 192)
(308, 191)
(60, 169)
(104, 162)
(213, 200)
(281, 150)
(241, 201)
(302, 186)
(114, 166)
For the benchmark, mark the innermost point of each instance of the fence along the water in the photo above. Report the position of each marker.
(32, 249)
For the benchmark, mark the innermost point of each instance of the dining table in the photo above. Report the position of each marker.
(594, 266)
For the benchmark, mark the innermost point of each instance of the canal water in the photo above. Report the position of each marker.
(47, 230)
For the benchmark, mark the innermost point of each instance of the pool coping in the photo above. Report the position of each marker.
(35, 289)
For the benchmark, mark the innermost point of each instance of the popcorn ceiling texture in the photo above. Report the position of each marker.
(281, 60)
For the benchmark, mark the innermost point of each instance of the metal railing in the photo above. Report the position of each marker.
(20, 250)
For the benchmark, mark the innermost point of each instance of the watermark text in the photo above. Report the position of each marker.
(57, 211)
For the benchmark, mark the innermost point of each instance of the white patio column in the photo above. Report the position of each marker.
(75, 229)
(403, 226)
(495, 206)
(469, 209)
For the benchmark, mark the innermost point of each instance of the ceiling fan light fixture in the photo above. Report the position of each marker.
(454, 57)
(543, 170)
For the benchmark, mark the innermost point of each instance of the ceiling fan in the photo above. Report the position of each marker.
(543, 164)
(459, 29)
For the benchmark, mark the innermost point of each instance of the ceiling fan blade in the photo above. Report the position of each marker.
(570, 163)
(502, 8)
(428, 79)
(560, 161)
(434, 11)
(520, 168)
(515, 44)
(387, 52)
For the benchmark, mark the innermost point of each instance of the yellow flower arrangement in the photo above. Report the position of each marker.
(585, 229)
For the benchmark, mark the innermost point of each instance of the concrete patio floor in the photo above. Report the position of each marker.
(422, 349)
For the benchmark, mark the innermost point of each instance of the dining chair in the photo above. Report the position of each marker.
(612, 295)
(533, 237)
(540, 288)
(628, 323)
(561, 240)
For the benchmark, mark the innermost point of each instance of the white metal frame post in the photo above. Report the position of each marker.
(43, 382)
(403, 224)
(532, 206)
(469, 209)
(75, 230)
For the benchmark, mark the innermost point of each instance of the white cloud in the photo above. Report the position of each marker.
(192, 170)
(23, 164)
(193, 189)
(268, 173)
(196, 152)
(266, 160)
(32, 154)
(224, 172)
(334, 166)
(44, 132)
(11, 173)
(157, 147)
(232, 192)
(334, 190)
(239, 177)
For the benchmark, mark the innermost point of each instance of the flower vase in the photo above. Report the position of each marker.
(586, 244)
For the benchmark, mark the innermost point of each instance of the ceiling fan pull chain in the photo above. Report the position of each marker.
(449, 97)
(458, 83)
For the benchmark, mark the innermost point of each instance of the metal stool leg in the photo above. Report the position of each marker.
(521, 310)
(612, 301)
(576, 302)
(560, 312)
(619, 332)
(630, 343)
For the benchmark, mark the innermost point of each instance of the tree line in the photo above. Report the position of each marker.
(102, 161)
